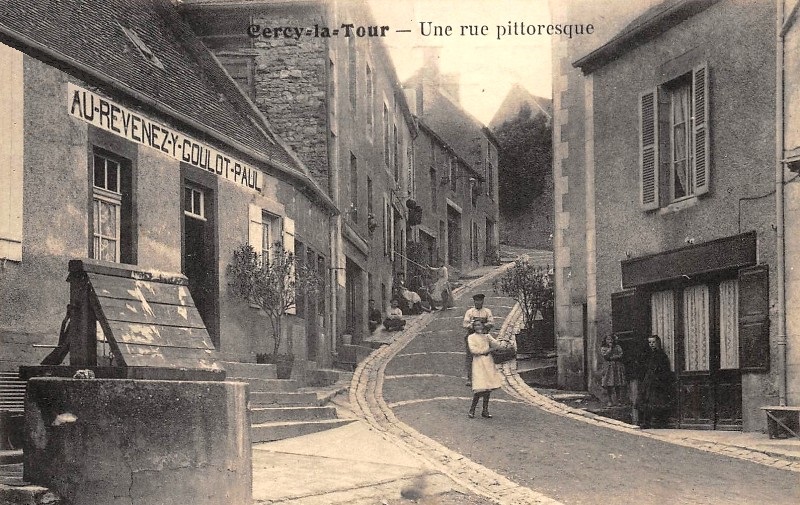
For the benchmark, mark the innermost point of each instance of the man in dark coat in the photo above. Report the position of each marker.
(656, 389)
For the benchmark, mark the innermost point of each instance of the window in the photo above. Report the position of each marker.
(452, 173)
(386, 139)
(370, 102)
(351, 70)
(269, 225)
(434, 189)
(264, 231)
(489, 174)
(322, 271)
(473, 236)
(145, 51)
(662, 321)
(353, 188)
(396, 153)
(696, 315)
(332, 89)
(240, 68)
(194, 202)
(673, 142)
(370, 210)
(111, 226)
(11, 154)
(729, 324)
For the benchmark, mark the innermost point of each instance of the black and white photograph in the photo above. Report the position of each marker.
(395, 252)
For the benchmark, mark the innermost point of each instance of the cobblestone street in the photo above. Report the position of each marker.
(535, 450)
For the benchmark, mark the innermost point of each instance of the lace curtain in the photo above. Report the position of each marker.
(662, 321)
(696, 327)
(729, 324)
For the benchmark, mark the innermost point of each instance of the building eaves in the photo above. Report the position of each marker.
(426, 128)
(188, 86)
(652, 23)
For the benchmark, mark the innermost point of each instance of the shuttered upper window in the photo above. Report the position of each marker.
(674, 162)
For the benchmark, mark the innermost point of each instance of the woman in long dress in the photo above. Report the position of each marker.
(485, 377)
(613, 379)
(656, 391)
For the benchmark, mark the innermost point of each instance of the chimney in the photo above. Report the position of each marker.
(430, 62)
(450, 85)
(411, 99)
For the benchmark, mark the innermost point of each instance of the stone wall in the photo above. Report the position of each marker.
(291, 86)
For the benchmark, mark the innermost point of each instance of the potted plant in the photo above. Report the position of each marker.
(532, 288)
(270, 282)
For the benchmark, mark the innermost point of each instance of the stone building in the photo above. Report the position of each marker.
(336, 99)
(680, 103)
(456, 165)
(125, 141)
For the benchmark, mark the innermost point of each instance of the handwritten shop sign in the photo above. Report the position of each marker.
(112, 117)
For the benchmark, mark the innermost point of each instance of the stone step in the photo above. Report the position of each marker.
(260, 415)
(254, 370)
(267, 399)
(327, 377)
(269, 432)
(268, 385)
(10, 457)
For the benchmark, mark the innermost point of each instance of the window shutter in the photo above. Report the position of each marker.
(385, 227)
(754, 319)
(256, 231)
(648, 150)
(390, 210)
(11, 154)
(629, 316)
(288, 246)
(702, 160)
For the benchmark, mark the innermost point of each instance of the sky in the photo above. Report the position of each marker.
(487, 66)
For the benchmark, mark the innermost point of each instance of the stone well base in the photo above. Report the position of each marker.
(127, 441)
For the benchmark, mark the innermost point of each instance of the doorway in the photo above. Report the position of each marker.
(698, 325)
(453, 237)
(199, 252)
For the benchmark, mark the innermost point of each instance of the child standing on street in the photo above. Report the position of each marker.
(485, 377)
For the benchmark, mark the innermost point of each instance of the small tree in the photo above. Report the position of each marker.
(272, 281)
(530, 286)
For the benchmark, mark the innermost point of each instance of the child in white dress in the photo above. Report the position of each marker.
(485, 376)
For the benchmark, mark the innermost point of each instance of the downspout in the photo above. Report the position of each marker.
(779, 203)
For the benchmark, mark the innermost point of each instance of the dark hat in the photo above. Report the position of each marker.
(479, 296)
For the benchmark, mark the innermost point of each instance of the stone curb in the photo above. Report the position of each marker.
(366, 397)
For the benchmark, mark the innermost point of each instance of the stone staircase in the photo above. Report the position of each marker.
(280, 408)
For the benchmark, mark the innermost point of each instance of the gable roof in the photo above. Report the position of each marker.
(517, 98)
(189, 85)
(652, 23)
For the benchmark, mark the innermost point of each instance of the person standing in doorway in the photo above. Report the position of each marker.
(655, 391)
(478, 312)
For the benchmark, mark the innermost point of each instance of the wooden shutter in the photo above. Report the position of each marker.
(385, 226)
(288, 245)
(648, 150)
(629, 318)
(754, 319)
(12, 154)
(256, 231)
(702, 160)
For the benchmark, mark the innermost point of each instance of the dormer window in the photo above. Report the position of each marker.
(145, 51)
